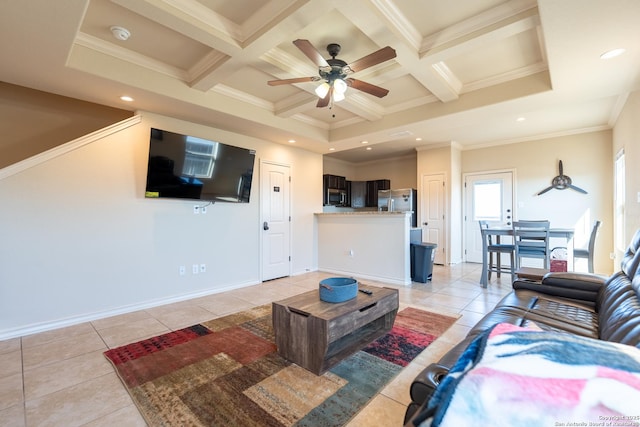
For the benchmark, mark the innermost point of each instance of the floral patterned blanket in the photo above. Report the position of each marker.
(512, 376)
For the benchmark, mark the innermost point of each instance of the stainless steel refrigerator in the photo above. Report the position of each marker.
(401, 200)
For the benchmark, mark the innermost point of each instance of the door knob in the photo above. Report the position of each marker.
(425, 223)
(265, 226)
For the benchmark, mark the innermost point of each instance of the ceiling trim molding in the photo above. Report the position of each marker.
(443, 71)
(538, 137)
(621, 100)
(424, 100)
(120, 53)
(290, 65)
(242, 96)
(311, 121)
(477, 23)
(295, 104)
(192, 19)
(400, 23)
(509, 26)
(505, 77)
(204, 67)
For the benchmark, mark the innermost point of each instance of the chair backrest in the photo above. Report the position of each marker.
(483, 226)
(531, 233)
(592, 238)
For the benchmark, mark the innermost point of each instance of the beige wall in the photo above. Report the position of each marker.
(80, 241)
(586, 159)
(626, 135)
(32, 122)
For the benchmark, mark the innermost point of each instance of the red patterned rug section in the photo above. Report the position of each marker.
(422, 321)
(400, 346)
(183, 350)
(161, 342)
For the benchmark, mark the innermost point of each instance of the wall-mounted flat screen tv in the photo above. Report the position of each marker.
(187, 167)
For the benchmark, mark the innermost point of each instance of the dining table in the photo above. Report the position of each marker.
(499, 231)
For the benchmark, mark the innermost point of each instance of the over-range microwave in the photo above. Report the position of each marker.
(336, 197)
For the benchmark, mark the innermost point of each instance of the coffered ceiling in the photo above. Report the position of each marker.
(464, 71)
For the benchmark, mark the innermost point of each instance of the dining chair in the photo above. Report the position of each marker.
(498, 249)
(588, 251)
(531, 240)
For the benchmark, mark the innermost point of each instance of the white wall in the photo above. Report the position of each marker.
(586, 159)
(366, 246)
(80, 241)
(626, 135)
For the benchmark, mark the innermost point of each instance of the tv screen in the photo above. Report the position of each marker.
(187, 167)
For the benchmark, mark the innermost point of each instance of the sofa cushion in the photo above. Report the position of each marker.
(565, 378)
(554, 312)
(620, 310)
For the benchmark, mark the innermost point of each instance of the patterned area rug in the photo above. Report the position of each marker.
(227, 372)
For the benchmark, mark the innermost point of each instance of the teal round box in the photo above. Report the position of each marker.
(338, 289)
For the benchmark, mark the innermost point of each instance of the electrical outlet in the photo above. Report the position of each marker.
(203, 268)
(194, 269)
(203, 210)
(182, 270)
(196, 210)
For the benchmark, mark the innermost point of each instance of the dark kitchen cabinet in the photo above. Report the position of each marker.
(372, 191)
(335, 181)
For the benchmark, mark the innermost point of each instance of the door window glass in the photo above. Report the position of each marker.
(487, 201)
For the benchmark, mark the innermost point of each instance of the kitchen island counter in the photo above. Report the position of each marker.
(370, 245)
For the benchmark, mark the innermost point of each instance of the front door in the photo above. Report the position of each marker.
(432, 214)
(488, 197)
(275, 220)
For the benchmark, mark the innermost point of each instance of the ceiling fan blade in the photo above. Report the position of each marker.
(560, 167)
(323, 102)
(578, 189)
(311, 52)
(545, 190)
(367, 87)
(384, 54)
(290, 81)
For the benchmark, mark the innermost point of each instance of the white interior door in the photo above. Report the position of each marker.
(488, 197)
(432, 211)
(275, 220)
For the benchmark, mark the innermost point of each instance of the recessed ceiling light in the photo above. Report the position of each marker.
(332, 149)
(292, 141)
(418, 139)
(612, 53)
(126, 98)
(364, 142)
(521, 119)
(369, 148)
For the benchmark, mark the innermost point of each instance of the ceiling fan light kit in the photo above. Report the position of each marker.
(333, 72)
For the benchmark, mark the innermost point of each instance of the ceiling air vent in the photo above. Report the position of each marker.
(400, 134)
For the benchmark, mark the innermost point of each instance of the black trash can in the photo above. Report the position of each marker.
(422, 255)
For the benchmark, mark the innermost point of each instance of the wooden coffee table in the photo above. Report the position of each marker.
(317, 335)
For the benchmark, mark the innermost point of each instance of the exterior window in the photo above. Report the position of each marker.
(619, 202)
(200, 157)
(487, 199)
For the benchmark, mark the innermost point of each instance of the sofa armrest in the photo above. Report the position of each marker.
(580, 287)
(426, 382)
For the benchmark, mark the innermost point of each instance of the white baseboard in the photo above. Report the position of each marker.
(76, 320)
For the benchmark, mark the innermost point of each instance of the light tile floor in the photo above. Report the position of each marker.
(61, 378)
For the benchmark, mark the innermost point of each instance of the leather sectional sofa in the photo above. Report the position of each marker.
(605, 308)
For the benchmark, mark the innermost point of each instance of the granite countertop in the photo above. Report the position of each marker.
(365, 213)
